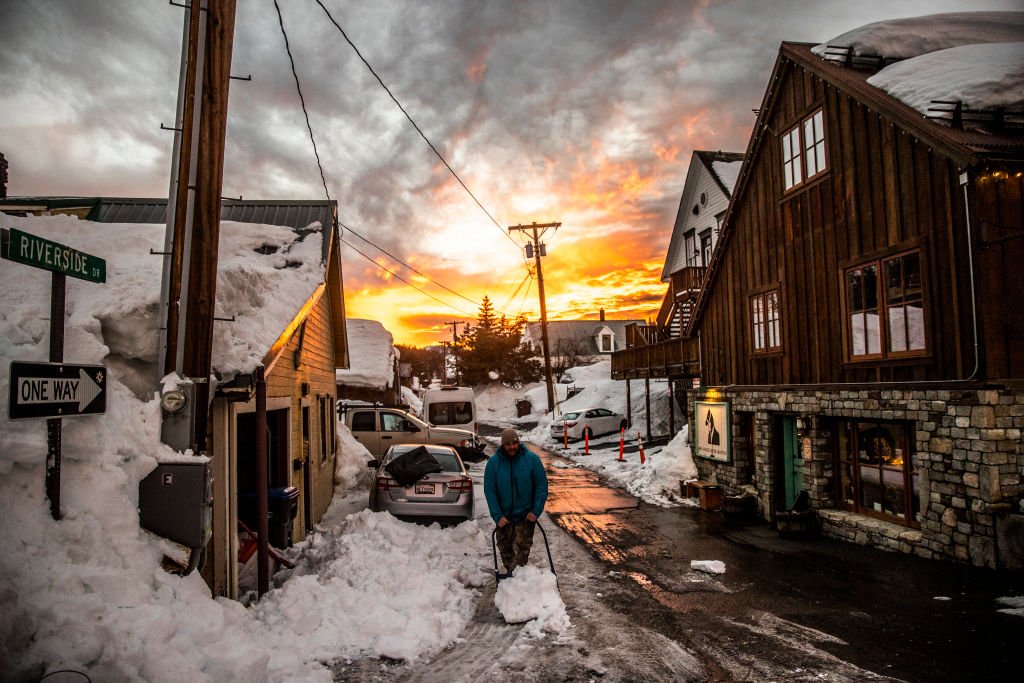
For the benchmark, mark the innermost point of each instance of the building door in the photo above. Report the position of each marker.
(789, 461)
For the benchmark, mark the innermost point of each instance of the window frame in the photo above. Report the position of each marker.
(883, 306)
(847, 459)
(690, 249)
(760, 328)
(795, 151)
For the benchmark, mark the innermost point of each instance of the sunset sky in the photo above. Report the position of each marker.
(582, 112)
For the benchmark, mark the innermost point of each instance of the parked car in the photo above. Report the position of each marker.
(378, 428)
(595, 421)
(445, 496)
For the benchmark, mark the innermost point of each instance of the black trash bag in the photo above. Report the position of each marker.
(411, 466)
(803, 502)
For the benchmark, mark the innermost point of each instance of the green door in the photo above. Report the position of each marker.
(792, 463)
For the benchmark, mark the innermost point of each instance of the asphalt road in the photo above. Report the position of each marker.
(826, 609)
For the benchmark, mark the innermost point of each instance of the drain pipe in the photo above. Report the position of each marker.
(970, 268)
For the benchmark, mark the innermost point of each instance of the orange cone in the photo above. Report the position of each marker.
(641, 442)
(586, 441)
(565, 436)
(622, 441)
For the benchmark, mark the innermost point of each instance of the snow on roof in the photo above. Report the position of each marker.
(372, 356)
(915, 36)
(728, 172)
(982, 76)
(263, 291)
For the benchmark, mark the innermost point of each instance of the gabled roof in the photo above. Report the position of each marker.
(716, 164)
(965, 148)
(583, 330)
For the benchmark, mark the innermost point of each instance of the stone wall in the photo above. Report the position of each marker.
(966, 446)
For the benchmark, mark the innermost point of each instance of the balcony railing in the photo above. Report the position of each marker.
(668, 358)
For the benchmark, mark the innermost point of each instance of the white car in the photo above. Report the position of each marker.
(592, 422)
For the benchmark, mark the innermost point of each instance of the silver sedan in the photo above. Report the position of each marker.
(590, 422)
(445, 496)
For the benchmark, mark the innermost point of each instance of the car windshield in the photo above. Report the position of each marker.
(448, 460)
(570, 416)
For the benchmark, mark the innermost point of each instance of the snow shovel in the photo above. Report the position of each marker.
(498, 575)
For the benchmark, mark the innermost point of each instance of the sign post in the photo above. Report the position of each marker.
(35, 392)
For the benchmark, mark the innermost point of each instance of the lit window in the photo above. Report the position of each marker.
(764, 321)
(874, 472)
(803, 150)
(886, 315)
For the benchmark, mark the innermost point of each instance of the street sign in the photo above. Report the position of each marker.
(45, 390)
(22, 247)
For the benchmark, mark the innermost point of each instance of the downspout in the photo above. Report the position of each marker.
(970, 268)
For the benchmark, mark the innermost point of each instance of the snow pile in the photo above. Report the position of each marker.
(376, 585)
(415, 404)
(1011, 605)
(350, 469)
(371, 354)
(708, 566)
(981, 76)
(657, 479)
(915, 36)
(496, 403)
(531, 595)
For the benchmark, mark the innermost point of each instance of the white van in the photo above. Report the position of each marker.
(450, 406)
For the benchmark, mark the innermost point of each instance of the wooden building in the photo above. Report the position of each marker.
(299, 350)
(861, 324)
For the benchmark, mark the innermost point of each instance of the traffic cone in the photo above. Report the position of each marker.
(641, 442)
(622, 441)
(565, 436)
(586, 441)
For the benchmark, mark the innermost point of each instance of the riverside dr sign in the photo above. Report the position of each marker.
(45, 390)
(22, 247)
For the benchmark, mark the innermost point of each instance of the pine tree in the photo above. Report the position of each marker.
(491, 350)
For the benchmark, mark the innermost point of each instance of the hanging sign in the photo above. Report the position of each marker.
(712, 434)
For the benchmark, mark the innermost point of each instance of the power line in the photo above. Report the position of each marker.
(302, 100)
(387, 253)
(414, 124)
(509, 300)
(401, 279)
(309, 127)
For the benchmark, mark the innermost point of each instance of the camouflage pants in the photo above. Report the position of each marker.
(514, 541)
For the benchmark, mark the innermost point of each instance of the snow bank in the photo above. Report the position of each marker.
(708, 566)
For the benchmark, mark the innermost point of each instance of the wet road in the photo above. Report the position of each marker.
(788, 609)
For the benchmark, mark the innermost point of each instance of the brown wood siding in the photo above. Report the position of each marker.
(309, 357)
(884, 191)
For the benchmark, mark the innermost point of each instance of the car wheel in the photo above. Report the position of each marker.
(623, 425)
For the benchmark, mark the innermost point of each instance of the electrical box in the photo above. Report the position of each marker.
(176, 502)
(176, 429)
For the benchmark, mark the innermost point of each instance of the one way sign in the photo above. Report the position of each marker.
(44, 390)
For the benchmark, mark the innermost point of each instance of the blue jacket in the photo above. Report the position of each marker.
(515, 485)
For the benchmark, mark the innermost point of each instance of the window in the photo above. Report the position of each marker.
(705, 247)
(886, 290)
(606, 343)
(364, 422)
(803, 150)
(450, 413)
(764, 321)
(324, 419)
(392, 422)
(690, 246)
(873, 471)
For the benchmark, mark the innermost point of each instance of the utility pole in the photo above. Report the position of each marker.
(539, 250)
(455, 340)
(193, 222)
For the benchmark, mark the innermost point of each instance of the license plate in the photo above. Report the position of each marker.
(427, 489)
